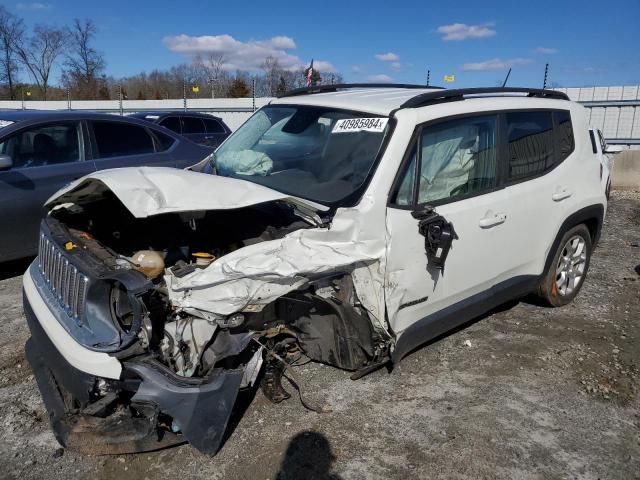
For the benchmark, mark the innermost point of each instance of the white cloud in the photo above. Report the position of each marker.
(496, 64)
(395, 66)
(356, 68)
(462, 31)
(33, 6)
(381, 78)
(388, 57)
(324, 67)
(245, 56)
(546, 51)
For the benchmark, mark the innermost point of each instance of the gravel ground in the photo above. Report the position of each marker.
(527, 392)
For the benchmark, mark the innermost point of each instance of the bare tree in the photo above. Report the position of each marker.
(272, 71)
(212, 68)
(84, 63)
(11, 35)
(40, 53)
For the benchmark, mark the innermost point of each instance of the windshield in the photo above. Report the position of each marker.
(320, 154)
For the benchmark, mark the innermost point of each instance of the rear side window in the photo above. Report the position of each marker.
(115, 139)
(564, 134)
(172, 123)
(44, 145)
(213, 126)
(530, 140)
(192, 125)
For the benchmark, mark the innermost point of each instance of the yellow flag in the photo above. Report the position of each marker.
(449, 78)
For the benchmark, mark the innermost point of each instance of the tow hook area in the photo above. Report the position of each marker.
(438, 235)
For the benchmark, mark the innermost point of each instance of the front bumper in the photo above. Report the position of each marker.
(144, 403)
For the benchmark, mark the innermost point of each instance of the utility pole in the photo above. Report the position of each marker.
(69, 98)
(184, 94)
(253, 93)
(546, 73)
(428, 77)
(23, 98)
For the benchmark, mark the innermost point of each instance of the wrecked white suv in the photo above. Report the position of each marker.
(345, 224)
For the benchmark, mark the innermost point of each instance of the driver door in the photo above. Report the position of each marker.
(452, 172)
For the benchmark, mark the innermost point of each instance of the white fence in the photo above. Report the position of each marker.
(234, 111)
(614, 110)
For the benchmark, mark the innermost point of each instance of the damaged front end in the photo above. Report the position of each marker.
(197, 303)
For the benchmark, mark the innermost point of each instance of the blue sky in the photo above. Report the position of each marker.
(586, 42)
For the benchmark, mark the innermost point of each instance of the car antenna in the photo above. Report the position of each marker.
(506, 78)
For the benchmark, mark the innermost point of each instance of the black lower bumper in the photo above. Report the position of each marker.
(200, 409)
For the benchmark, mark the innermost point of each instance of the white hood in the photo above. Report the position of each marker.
(147, 191)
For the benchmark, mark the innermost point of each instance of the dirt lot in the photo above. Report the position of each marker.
(539, 393)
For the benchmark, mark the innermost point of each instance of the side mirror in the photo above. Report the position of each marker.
(613, 149)
(6, 162)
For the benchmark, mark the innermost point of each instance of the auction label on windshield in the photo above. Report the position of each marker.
(360, 124)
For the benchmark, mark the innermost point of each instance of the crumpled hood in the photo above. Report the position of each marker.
(147, 191)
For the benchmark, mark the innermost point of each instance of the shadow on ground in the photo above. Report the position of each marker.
(14, 268)
(308, 456)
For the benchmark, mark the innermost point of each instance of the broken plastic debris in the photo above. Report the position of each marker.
(467, 343)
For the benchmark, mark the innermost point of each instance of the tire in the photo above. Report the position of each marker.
(568, 269)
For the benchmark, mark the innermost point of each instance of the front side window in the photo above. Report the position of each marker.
(44, 145)
(115, 139)
(456, 159)
(530, 138)
(321, 154)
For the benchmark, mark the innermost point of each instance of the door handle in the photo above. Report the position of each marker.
(561, 194)
(491, 220)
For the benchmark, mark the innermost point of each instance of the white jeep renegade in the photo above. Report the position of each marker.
(345, 224)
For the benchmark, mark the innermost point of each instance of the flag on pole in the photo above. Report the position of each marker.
(310, 75)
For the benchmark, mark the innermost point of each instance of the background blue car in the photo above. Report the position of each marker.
(42, 151)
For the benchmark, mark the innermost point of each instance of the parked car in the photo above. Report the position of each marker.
(41, 152)
(158, 295)
(198, 127)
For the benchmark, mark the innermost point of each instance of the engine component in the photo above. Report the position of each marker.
(148, 262)
(203, 259)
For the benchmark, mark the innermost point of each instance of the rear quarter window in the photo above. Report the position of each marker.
(564, 134)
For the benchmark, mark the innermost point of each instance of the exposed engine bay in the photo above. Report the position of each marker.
(325, 320)
(198, 298)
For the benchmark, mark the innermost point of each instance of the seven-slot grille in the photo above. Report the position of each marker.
(65, 281)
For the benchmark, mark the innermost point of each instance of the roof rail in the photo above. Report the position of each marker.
(344, 86)
(431, 98)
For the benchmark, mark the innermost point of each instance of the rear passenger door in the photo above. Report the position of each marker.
(45, 158)
(539, 185)
(120, 144)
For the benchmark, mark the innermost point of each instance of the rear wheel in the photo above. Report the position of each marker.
(566, 273)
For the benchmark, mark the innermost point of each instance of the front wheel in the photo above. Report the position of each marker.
(565, 276)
